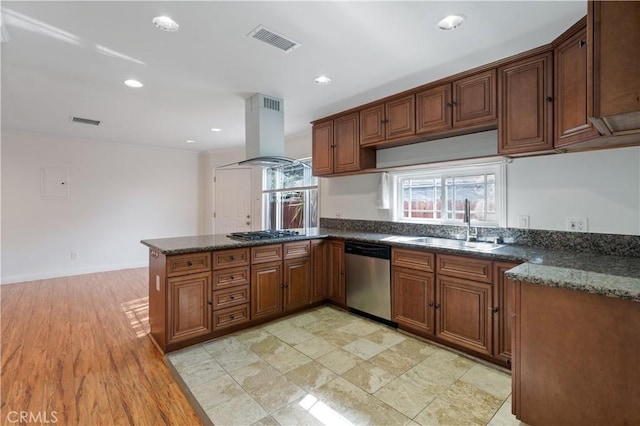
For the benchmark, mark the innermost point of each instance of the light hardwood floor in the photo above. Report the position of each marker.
(76, 350)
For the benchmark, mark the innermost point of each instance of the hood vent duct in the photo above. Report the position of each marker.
(273, 38)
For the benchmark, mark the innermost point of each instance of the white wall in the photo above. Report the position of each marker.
(118, 195)
(603, 186)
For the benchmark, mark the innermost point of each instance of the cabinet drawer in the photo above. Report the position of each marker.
(296, 249)
(230, 258)
(230, 297)
(188, 263)
(228, 317)
(414, 259)
(231, 277)
(262, 254)
(465, 267)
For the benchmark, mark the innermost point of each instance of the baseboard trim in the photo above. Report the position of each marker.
(20, 278)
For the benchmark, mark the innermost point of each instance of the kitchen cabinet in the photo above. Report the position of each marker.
(386, 121)
(576, 357)
(465, 102)
(231, 288)
(464, 302)
(525, 90)
(318, 271)
(336, 147)
(413, 290)
(573, 105)
(189, 301)
(503, 319)
(278, 286)
(336, 284)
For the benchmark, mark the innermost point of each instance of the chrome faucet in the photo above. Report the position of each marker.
(471, 236)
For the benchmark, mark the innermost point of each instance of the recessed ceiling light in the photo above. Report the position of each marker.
(322, 80)
(451, 22)
(165, 23)
(190, 141)
(215, 129)
(133, 83)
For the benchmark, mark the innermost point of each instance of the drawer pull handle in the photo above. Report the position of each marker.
(232, 277)
(232, 316)
(189, 263)
(231, 297)
(232, 258)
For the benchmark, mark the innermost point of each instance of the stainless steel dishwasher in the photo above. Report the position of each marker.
(368, 278)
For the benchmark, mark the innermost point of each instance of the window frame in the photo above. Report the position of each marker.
(444, 172)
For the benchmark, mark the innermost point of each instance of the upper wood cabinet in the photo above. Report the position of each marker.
(336, 147)
(469, 102)
(572, 102)
(525, 90)
(387, 121)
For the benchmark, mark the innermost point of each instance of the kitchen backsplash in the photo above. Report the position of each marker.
(608, 244)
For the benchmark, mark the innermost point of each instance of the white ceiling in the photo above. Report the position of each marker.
(66, 59)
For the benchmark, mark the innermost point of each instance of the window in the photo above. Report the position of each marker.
(437, 195)
(290, 197)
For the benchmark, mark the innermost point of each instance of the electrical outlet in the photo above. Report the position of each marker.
(74, 255)
(577, 224)
(523, 221)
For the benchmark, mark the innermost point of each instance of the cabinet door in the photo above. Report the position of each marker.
(347, 143)
(189, 306)
(322, 148)
(462, 313)
(297, 276)
(337, 290)
(525, 91)
(502, 320)
(400, 118)
(433, 110)
(372, 127)
(475, 100)
(318, 270)
(266, 289)
(572, 106)
(413, 299)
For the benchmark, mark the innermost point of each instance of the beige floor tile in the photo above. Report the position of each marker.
(279, 325)
(368, 377)
(235, 360)
(315, 347)
(386, 337)
(489, 380)
(269, 346)
(356, 405)
(301, 413)
(504, 417)
(188, 357)
(255, 375)
(293, 335)
(224, 345)
(304, 318)
(266, 421)
(336, 337)
(406, 396)
(440, 412)
(364, 348)
(481, 404)
(250, 337)
(360, 327)
(402, 356)
(197, 374)
(279, 392)
(311, 376)
(241, 410)
(217, 391)
(316, 327)
(443, 367)
(339, 361)
(287, 359)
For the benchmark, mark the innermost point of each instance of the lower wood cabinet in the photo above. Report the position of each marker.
(336, 276)
(266, 289)
(297, 277)
(503, 319)
(189, 307)
(318, 291)
(413, 299)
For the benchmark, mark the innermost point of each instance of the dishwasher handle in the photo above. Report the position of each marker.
(367, 249)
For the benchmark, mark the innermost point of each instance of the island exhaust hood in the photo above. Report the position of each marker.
(264, 132)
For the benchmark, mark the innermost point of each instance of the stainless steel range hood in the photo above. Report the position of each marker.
(264, 132)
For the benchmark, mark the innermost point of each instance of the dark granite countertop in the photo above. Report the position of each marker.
(612, 276)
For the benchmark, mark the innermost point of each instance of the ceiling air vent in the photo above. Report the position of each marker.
(271, 103)
(85, 121)
(274, 39)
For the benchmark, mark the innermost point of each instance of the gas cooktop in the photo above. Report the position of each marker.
(263, 235)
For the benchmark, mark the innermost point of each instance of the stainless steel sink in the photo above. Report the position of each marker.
(443, 242)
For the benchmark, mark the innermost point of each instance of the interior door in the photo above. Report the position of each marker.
(233, 200)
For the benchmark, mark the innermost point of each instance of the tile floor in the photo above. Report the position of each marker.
(327, 366)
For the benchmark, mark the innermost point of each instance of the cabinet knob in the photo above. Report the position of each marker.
(430, 304)
(549, 99)
(232, 277)
(189, 263)
(454, 103)
(210, 302)
(231, 297)
(449, 104)
(232, 316)
(582, 43)
(232, 258)
(437, 306)
(508, 361)
(495, 310)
